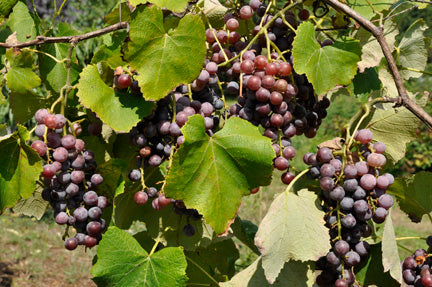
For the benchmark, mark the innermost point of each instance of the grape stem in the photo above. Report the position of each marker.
(289, 187)
(222, 97)
(202, 270)
(410, 238)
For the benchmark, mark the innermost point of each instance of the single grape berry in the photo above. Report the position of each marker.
(124, 81)
(71, 243)
(140, 198)
(189, 230)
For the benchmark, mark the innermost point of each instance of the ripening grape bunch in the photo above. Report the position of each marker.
(269, 92)
(70, 179)
(416, 269)
(353, 192)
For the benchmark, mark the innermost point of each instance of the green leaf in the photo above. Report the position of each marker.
(413, 193)
(19, 171)
(21, 112)
(328, 66)
(113, 17)
(293, 274)
(164, 59)
(34, 206)
(6, 7)
(211, 174)
(390, 253)
(164, 224)
(121, 111)
(371, 272)
(110, 52)
(53, 73)
(217, 259)
(366, 82)
(214, 11)
(364, 6)
(293, 229)
(393, 123)
(371, 49)
(111, 172)
(173, 5)
(412, 51)
(21, 22)
(122, 262)
(245, 231)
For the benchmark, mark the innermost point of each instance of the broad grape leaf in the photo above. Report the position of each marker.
(21, 22)
(211, 174)
(121, 111)
(21, 80)
(390, 253)
(34, 206)
(413, 193)
(364, 6)
(19, 170)
(293, 274)
(53, 73)
(217, 259)
(111, 172)
(165, 224)
(371, 49)
(371, 272)
(121, 261)
(113, 17)
(293, 229)
(391, 123)
(365, 83)
(172, 5)
(412, 51)
(328, 66)
(164, 59)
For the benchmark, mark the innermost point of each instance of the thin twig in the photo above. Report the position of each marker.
(66, 39)
(378, 33)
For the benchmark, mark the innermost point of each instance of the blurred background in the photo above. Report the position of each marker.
(32, 252)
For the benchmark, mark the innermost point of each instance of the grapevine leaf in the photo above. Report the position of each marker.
(371, 49)
(113, 17)
(121, 111)
(111, 172)
(172, 5)
(371, 272)
(6, 7)
(282, 235)
(211, 174)
(217, 259)
(122, 262)
(21, 22)
(293, 274)
(19, 170)
(328, 66)
(365, 83)
(34, 206)
(364, 6)
(164, 224)
(214, 11)
(53, 73)
(245, 231)
(413, 193)
(390, 253)
(164, 59)
(390, 123)
(110, 52)
(412, 51)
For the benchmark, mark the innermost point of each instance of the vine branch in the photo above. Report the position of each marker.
(67, 39)
(378, 33)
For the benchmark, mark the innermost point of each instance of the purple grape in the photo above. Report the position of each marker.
(352, 258)
(350, 171)
(40, 115)
(327, 183)
(94, 213)
(362, 248)
(77, 176)
(327, 170)
(364, 136)
(71, 243)
(90, 198)
(154, 160)
(348, 221)
(135, 175)
(362, 168)
(379, 215)
(93, 228)
(341, 247)
(337, 164)
(289, 152)
(281, 163)
(350, 185)
(368, 181)
(379, 147)
(96, 179)
(347, 203)
(81, 214)
(376, 160)
(324, 154)
(61, 218)
(338, 193)
(102, 202)
(68, 141)
(361, 207)
(385, 201)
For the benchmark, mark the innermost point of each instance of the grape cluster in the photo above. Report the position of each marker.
(269, 92)
(353, 192)
(416, 269)
(69, 179)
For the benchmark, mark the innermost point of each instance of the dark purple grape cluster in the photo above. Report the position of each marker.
(353, 193)
(269, 92)
(70, 181)
(416, 269)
